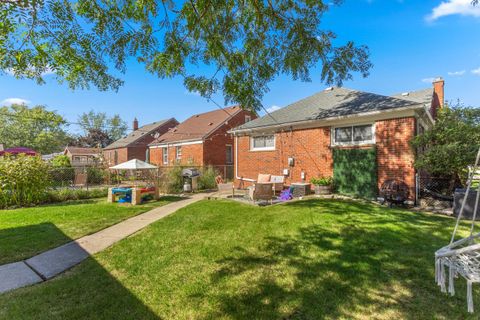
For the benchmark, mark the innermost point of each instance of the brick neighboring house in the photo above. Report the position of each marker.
(202, 139)
(83, 157)
(309, 131)
(135, 144)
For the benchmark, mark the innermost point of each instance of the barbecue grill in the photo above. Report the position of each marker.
(394, 192)
(190, 177)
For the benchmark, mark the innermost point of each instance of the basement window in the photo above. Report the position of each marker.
(265, 142)
(354, 135)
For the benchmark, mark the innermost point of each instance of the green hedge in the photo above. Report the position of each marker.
(355, 172)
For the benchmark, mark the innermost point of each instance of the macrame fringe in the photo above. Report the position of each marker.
(451, 285)
(469, 296)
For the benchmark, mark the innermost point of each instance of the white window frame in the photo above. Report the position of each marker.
(178, 155)
(231, 154)
(353, 143)
(252, 144)
(165, 154)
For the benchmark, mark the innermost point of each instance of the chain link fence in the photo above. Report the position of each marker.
(95, 176)
(435, 192)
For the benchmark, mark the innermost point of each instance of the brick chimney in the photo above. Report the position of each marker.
(438, 100)
(135, 124)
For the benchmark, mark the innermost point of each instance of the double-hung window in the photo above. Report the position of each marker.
(229, 155)
(265, 142)
(354, 135)
(165, 155)
(178, 152)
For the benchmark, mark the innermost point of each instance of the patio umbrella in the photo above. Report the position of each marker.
(134, 164)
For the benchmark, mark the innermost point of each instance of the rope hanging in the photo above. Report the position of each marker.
(462, 257)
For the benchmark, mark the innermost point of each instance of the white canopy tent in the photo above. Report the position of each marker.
(134, 164)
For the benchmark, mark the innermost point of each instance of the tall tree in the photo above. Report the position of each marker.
(95, 138)
(92, 122)
(236, 47)
(452, 144)
(35, 128)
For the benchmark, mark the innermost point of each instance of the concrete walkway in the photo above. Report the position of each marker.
(55, 261)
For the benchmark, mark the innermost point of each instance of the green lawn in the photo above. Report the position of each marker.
(28, 231)
(313, 259)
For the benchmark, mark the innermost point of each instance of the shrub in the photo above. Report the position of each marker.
(62, 195)
(207, 178)
(322, 181)
(23, 180)
(95, 175)
(173, 181)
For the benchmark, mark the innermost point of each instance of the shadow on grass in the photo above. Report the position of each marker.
(382, 271)
(95, 295)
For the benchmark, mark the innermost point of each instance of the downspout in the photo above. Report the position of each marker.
(236, 163)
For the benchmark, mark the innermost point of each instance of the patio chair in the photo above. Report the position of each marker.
(224, 187)
(278, 182)
(261, 191)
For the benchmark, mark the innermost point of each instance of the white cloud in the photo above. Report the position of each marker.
(456, 73)
(453, 7)
(48, 71)
(10, 101)
(428, 80)
(273, 108)
(476, 71)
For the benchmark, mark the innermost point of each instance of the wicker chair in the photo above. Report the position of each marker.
(261, 191)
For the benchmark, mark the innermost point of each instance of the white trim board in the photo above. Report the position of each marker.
(176, 144)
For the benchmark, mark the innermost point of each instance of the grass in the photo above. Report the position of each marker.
(313, 259)
(28, 231)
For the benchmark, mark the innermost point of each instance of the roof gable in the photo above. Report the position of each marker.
(136, 135)
(198, 126)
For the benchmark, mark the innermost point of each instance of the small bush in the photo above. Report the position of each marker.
(173, 181)
(62, 195)
(95, 175)
(23, 181)
(322, 181)
(207, 178)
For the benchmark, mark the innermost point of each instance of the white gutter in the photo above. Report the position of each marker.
(236, 163)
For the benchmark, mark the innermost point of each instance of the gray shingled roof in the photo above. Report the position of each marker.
(331, 102)
(420, 96)
(137, 134)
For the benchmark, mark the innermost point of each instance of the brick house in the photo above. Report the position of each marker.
(202, 139)
(83, 157)
(135, 144)
(300, 140)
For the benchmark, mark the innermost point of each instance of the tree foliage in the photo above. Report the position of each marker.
(96, 123)
(240, 46)
(95, 138)
(452, 144)
(35, 128)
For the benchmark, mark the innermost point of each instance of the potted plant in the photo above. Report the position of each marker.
(322, 185)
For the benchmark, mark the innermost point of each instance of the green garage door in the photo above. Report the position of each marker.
(355, 172)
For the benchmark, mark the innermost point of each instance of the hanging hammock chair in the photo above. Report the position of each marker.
(461, 257)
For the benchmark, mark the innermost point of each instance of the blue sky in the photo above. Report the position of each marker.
(410, 42)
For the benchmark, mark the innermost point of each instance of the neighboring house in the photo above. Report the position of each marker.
(304, 139)
(202, 139)
(83, 157)
(135, 144)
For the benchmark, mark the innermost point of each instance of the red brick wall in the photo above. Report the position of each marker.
(395, 157)
(191, 154)
(109, 156)
(216, 143)
(309, 147)
(312, 152)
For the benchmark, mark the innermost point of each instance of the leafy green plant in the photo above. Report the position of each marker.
(322, 181)
(24, 180)
(95, 175)
(63, 195)
(62, 173)
(207, 178)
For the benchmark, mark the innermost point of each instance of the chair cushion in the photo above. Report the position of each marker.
(262, 178)
(277, 179)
